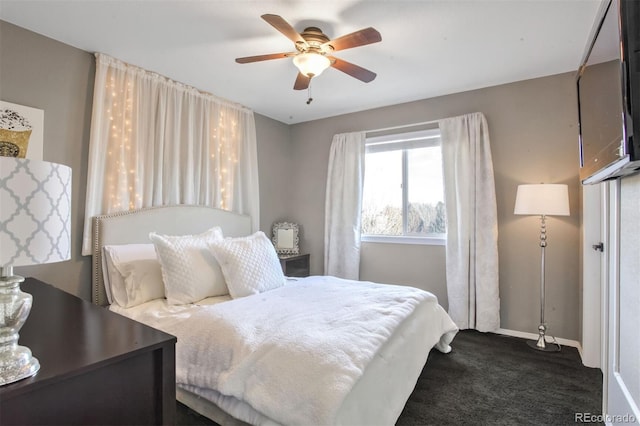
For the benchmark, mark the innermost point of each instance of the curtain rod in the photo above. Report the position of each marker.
(122, 65)
(403, 126)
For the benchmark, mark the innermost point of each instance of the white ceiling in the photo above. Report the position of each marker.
(429, 48)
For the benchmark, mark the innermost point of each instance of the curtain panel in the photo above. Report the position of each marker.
(157, 142)
(343, 206)
(472, 223)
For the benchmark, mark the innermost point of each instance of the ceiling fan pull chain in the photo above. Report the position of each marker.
(309, 92)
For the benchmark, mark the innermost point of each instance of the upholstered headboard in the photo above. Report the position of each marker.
(134, 226)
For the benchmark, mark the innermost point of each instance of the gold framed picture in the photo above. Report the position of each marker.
(21, 131)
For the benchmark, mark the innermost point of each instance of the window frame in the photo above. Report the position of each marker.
(404, 141)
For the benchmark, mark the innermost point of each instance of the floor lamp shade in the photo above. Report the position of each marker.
(543, 200)
(35, 228)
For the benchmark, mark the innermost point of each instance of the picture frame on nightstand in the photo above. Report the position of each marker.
(285, 238)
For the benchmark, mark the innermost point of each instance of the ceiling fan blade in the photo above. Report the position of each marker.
(358, 38)
(302, 82)
(277, 22)
(353, 70)
(248, 59)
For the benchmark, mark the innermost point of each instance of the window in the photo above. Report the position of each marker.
(403, 194)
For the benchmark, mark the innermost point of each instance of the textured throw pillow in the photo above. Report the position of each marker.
(189, 270)
(250, 264)
(133, 274)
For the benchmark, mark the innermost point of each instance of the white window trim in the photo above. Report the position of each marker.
(434, 240)
(423, 138)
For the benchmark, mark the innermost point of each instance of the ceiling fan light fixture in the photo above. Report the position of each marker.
(314, 51)
(311, 64)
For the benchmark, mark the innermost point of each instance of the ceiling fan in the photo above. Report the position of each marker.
(314, 49)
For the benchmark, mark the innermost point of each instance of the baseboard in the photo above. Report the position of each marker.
(534, 336)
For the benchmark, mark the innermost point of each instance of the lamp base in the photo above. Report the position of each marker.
(541, 344)
(16, 362)
(548, 347)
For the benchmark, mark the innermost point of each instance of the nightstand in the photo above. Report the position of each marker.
(97, 367)
(296, 265)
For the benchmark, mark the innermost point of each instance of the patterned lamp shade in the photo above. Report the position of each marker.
(35, 212)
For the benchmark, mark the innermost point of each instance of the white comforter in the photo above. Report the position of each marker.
(294, 353)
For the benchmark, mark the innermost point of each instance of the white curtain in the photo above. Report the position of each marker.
(472, 224)
(343, 205)
(157, 142)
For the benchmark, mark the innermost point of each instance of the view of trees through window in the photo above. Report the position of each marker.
(403, 192)
(422, 219)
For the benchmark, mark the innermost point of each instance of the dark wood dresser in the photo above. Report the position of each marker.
(96, 367)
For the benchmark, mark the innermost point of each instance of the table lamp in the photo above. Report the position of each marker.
(35, 228)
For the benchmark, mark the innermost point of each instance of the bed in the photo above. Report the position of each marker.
(299, 374)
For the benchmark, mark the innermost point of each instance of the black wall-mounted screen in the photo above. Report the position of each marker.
(606, 81)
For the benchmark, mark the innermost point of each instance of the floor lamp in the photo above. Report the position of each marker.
(543, 200)
(35, 228)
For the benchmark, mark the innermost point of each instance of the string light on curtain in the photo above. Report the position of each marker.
(122, 187)
(157, 142)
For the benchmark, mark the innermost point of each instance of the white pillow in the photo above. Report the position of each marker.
(133, 272)
(189, 270)
(109, 274)
(250, 264)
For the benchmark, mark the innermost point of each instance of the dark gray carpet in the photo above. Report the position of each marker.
(489, 379)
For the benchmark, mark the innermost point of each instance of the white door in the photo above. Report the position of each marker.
(593, 273)
(622, 359)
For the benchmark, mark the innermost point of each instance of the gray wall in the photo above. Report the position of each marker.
(274, 158)
(533, 130)
(532, 125)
